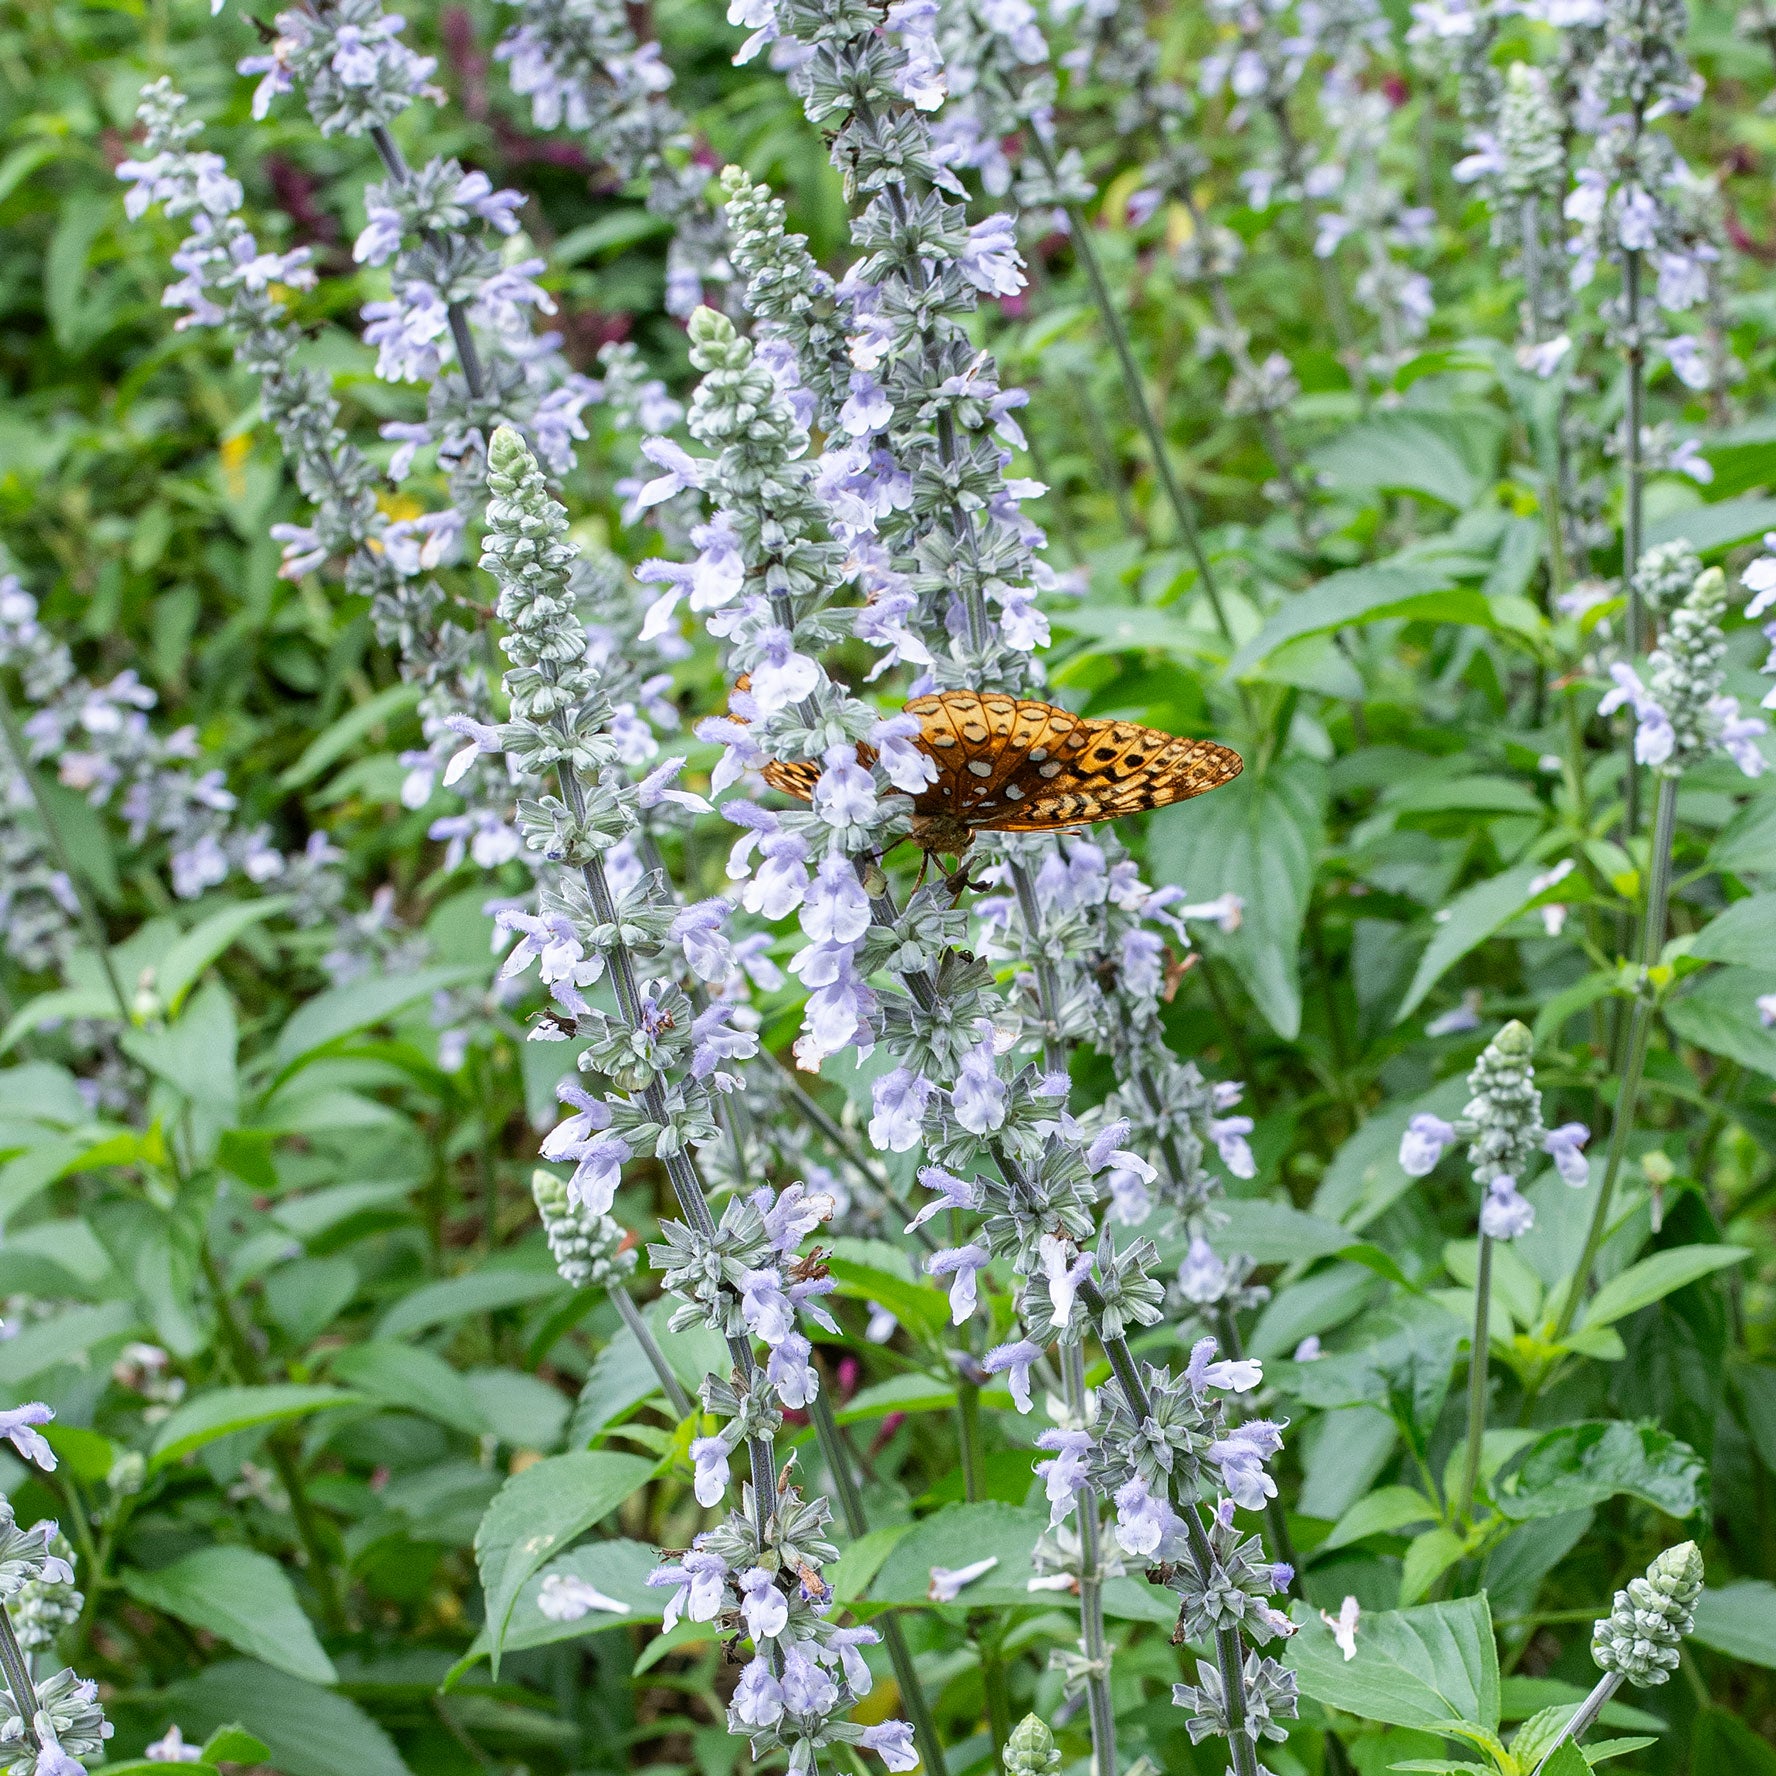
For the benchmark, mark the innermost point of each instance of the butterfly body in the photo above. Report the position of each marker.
(1010, 764)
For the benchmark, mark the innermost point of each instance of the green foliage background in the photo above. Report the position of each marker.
(333, 1237)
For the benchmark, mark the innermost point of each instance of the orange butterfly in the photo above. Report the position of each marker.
(1006, 764)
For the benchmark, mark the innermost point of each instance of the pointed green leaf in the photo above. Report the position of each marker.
(537, 1513)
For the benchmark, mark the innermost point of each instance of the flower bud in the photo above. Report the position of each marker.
(1639, 1637)
(1030, 1751)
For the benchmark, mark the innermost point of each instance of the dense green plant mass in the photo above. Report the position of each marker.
(527, 1247)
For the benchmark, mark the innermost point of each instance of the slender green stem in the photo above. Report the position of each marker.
(681, 1170)
(1229, 1649)
(993, 1683)
(1182, 511)
(835, 1448)
(1477, 1376)
(1634, 477)
(1640, 1026)
(1104, 453)
(284, 1458)
(1584, 1716)
(52, 831)
(17, 1671)
(1094, 1642)
(969, 1433)
(631, 1317)
(394, 163)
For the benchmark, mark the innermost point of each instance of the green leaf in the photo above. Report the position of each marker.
(1473, 916)
(235, 1745)
(88, 1455)
(1413, 1668)
(1448, 457)
(523, 1411)
(1744, 933)
(912, 1392)
(66, 1337)
(537, 1513)
(621, 228)
(914, 1304)
(1583, 1464)
(341, 1011)
(619, 1568)
(1655, 1277)
(223, 1411)
(1428, 1558)
(958, 1536)
(152, 1767)
(412, 1379)
(1361, 595)
(455, 1298)
(1258, 837)
(1721, 1744)
(1707, 528)
(49, 1008)
(1570, 1001)
(1721, 1016)
(82, 219)
(1739, 1620)
(1464, 795)
(621, 1376)
(200, 946)
(23, 161)
(242, 1597)
(1523, 1697)
(311, 1731)
(1747, 843)
(1566, 1759)
(335, 741)
(1386, 1509)
(851, 1574)
(1275, 1232)
(1136, 629)
(1405, 1366)
(1365, 1176)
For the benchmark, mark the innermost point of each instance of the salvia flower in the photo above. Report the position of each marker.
(1639, 1639)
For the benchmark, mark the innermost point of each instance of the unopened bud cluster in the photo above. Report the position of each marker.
(1639, 1638)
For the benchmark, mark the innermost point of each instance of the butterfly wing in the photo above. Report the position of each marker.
(1109, 769)
(1016, 765)
(793, 778)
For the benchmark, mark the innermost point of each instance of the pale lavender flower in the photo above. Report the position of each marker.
(567, 1598)
(978, 1101)
(1064, 1474)
(1145, 1522)
(18, 1425)
(948, 1583)
(1344, 1626)
(172, 1749)
(962, 1265)
(758, 1696)
(900, 1099)
(1017, 1359)
(1241, 1456)
(764, 1607)
(1564, 1146)
(1505, 1214)
(699, 1587)
(1423, 1143)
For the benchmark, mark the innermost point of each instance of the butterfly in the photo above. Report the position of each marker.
(1007, 764)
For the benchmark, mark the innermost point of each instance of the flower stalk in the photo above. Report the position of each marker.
(1640, 1028)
